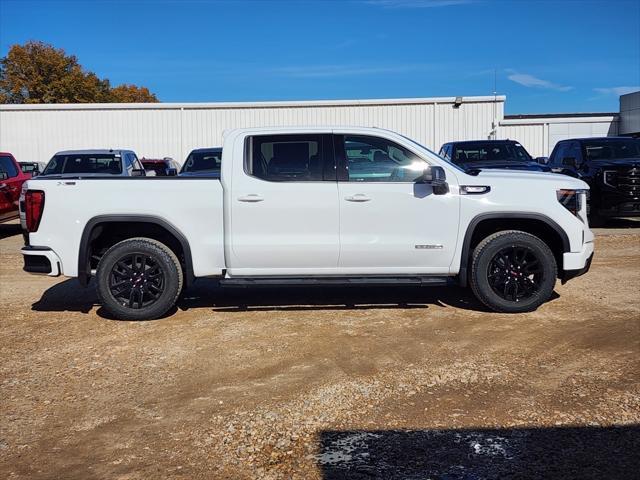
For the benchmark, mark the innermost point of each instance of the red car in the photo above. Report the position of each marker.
(11, 179)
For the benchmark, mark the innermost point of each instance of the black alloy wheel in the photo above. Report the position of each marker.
(139, 279)
(515, 273)
(136, 280)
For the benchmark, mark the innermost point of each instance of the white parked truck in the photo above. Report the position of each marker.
(317, 206)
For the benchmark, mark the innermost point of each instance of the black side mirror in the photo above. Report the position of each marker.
(436, 177)
(35, 173)
(433, 176)
(542, 160)
(172, 172)
(138, 172)
(569, 162)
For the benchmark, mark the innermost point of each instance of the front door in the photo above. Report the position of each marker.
(284, 207)
(389, 223)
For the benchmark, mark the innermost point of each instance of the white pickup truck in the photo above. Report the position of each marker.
(317, 206)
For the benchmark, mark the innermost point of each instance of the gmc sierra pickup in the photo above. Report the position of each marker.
(317, 206)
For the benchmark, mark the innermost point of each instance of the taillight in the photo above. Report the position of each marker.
(33, 208)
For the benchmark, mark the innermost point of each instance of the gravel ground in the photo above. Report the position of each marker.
(323, 383)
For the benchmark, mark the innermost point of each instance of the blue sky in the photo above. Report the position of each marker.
(549, 56)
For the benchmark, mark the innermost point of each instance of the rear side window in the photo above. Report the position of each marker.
(286, 158)
(7, 167)
(83, 163)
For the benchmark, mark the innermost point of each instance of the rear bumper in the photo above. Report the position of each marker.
(41, 261)
(577, 263)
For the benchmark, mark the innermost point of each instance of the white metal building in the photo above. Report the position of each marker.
(630, 114)
(540, 133)
(36, 132)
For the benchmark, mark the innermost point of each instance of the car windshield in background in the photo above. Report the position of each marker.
(490, 152)
(84, 163)
(159, 168)
(203, 161)
(611, 149)
(28, 167)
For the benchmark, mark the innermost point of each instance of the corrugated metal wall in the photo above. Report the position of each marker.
(36, 132)
(540, 135)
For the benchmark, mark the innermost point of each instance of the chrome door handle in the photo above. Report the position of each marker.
(358, 197)
(251, 198)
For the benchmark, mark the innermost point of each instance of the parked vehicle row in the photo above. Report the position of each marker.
(314, 206)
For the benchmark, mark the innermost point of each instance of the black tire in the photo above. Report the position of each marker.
(139, 279)
(513, 272)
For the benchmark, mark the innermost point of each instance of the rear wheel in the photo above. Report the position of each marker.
(139, 279)
(513, 272)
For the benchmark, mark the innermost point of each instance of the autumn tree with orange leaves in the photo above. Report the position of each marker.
(40, 73)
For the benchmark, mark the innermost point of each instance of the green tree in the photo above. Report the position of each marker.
(40, 73)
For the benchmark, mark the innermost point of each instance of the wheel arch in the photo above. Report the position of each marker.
(537, 224)
(95, 227)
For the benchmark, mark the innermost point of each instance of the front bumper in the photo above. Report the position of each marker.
(41, 260)
(577, 263)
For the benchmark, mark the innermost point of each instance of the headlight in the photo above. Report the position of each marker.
(575, 201)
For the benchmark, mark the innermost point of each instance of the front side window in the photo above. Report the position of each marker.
(373, 159)
(84, 163)
(286, 158)
(7, 167)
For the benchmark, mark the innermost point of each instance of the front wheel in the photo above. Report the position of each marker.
(513, 272)
(139, 279)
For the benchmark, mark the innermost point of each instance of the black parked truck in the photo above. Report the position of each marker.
(611, 167)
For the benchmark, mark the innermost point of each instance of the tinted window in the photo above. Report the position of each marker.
(203, 161)
(489, 151)
(286, 158)
(373, 159)
(559, 152)
(8, 167)
(84, 163)
(611, 149)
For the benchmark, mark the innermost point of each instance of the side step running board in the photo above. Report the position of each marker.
(434, 281)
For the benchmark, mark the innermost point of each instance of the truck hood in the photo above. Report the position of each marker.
(618, 162)
(509, 177)
(506, 165)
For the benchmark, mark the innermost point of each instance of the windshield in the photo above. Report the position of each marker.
(448, 162)
(84, 163)
(203, 161)
(490, 152)
(159, 167)
(611, 149)
(28, 167)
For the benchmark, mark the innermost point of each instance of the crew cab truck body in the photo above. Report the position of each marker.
(312, 206)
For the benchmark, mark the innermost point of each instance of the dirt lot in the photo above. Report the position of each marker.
(323, 383)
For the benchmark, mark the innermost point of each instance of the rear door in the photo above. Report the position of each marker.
(284, 207)
(389, 224)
